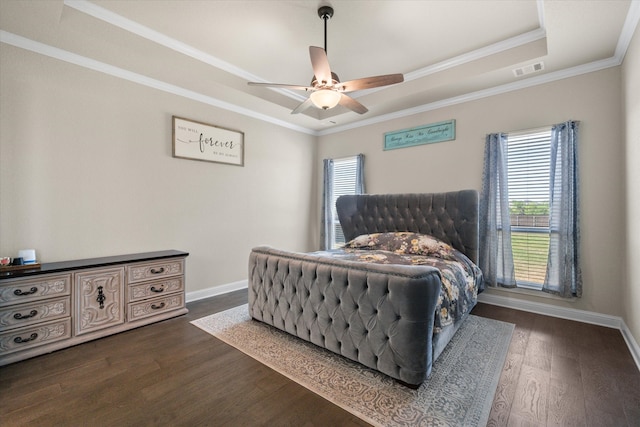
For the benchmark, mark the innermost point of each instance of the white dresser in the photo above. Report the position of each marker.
(66, 303)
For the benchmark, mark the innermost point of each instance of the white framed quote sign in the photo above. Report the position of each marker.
(210, 143)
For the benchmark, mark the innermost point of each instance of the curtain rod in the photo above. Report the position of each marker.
(532, 130)
(345, 157)
(537, 129)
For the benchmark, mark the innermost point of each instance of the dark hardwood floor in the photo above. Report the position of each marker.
(557, 372)
(564, 373)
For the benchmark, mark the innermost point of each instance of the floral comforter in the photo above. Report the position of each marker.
(460, 277)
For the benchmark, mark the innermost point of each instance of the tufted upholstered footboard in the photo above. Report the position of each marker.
(379, 315)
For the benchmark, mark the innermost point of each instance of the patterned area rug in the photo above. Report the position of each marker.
(459, 393)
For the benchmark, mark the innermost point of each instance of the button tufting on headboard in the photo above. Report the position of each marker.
(451, 217)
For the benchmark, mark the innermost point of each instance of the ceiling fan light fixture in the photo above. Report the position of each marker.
(325, 98)
(325, 89)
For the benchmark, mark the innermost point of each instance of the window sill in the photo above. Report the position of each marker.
(529, 292)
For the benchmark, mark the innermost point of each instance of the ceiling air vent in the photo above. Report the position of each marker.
(528, 69)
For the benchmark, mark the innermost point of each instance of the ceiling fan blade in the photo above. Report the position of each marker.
(320, 64)
(300, 108)
(371, 82)
(280, 85)
(352, 104)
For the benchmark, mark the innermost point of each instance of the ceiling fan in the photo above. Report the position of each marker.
(326, 89)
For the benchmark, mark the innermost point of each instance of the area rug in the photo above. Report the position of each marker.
(459, 393)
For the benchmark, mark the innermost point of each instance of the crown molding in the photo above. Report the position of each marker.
(540, 6)
(92, 64)
(485, 93)
(626, 34)
(483, 52)
(63, 55)
(628, 29)
(119, 21)
(631, 22)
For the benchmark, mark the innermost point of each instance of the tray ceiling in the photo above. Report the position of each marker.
(207, 50)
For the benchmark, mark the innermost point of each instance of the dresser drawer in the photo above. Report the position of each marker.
(40, 311)
(33, 336)
(155, 306)
(26, 290)
(154, 270)
(156, 288)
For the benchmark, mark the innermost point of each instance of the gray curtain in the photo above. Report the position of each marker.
(360, 174)
(564, 276)
(496, 257)
(326, 228)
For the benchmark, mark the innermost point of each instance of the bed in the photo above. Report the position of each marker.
(361, 303)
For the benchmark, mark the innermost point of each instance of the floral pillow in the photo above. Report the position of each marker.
(402, 243)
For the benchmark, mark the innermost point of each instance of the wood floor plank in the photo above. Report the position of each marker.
(566, 404)
(506, 390)
(531, 400)
(566, 369)
(538, 353)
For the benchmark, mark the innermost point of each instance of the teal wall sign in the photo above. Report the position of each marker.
(436, 132)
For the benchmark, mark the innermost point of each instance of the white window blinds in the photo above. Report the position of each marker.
(344, 182)
(528, 177)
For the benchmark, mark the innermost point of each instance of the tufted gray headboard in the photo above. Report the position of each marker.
(451, 217)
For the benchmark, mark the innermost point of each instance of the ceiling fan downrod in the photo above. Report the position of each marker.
(325, 13)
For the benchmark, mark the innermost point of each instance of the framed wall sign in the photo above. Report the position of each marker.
(201, 141)
(428, 134)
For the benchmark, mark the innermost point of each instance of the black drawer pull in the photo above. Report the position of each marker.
(101, 297)
(156, 290)
(158, 271)
(20, 316)
(157, 307)
(19, 292)
(20, 340)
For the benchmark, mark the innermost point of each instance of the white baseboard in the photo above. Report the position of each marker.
(631, 343)
(216, 290)
(584, 316)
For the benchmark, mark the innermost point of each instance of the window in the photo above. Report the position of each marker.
(342, 176)
(529, 210)
(528, 169)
